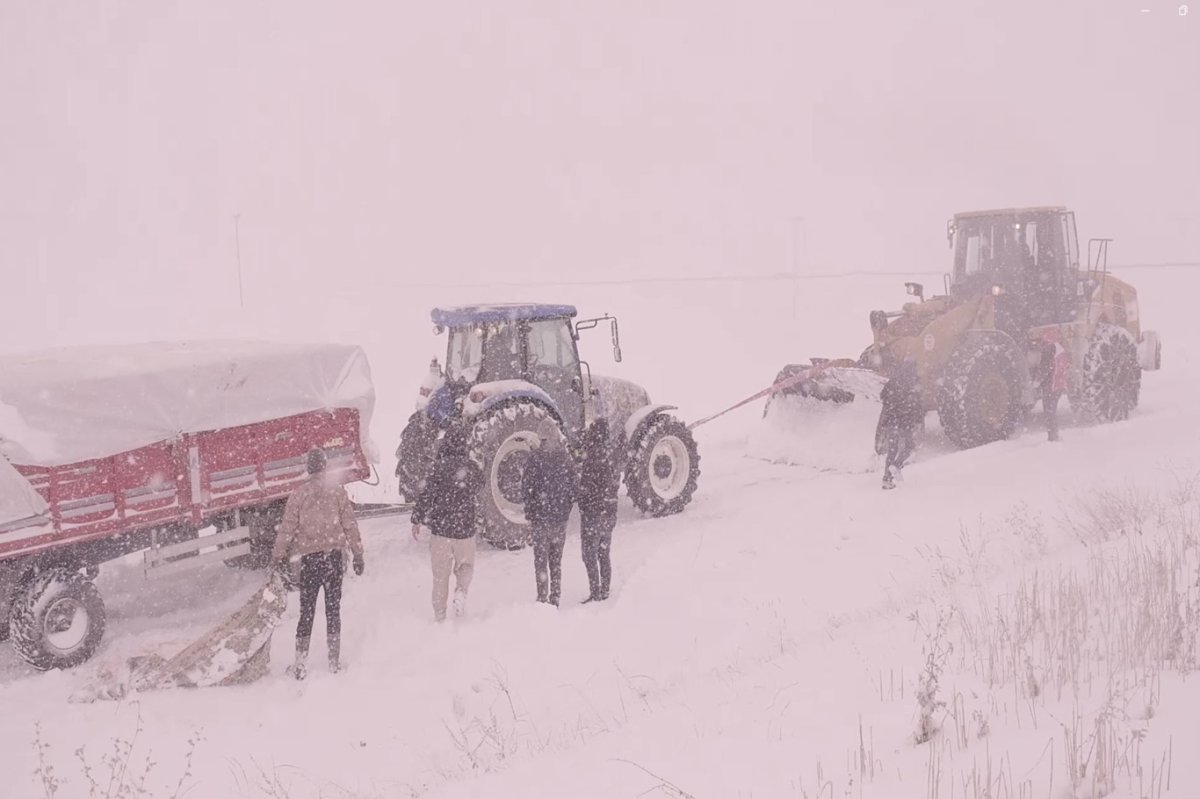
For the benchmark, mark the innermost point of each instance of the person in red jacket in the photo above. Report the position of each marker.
(319, 526)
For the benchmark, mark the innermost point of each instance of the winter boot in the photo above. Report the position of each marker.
(888, 482)
(335, 653)
(460, 603)
(298, 669)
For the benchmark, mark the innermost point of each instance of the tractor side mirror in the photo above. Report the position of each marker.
(915, 290)
(617, 353)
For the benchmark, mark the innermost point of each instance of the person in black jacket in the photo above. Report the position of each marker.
(902, 413)
(548, 491)
(449, 505)
(599, 481)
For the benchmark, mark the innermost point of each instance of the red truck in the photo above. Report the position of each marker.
(109, 451)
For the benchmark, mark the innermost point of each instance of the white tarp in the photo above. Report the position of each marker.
(67, 405)
(19, 501)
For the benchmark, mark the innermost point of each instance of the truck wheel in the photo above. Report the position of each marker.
(500, 442)
(57, 620)
(664, 467)
(414, 456)
(1112, 376)
(979, 400)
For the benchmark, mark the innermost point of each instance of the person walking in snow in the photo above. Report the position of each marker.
(599, 481)
(548, 491)
(448, 505)
(902, 413)
(319, 526)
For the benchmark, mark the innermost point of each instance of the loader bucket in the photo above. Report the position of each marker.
(821, 417)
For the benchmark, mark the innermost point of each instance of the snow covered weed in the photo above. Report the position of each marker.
(490, 733)
(929, 702)
(1105, 514)
(118, 774)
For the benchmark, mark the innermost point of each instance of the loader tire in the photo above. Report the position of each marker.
(500, 443)
(414, 456)
(664, 468)
(57, 620)
(979, 399)
(1112, 376)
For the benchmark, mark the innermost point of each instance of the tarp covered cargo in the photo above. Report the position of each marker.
(20, 505)
(67, 405)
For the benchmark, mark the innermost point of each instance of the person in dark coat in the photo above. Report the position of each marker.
(548, 491)
(449, 506)
(902, 413)
(599, 481)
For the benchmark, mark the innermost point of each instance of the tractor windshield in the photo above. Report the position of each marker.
(465, 353)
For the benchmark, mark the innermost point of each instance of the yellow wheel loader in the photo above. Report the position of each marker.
(1019, 318)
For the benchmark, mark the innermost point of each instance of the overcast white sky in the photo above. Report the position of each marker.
(393, 142)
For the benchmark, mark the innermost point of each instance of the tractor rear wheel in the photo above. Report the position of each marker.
(500, 442)
(664, 468)
(1112, 376)
(979, 400)
(57, 620)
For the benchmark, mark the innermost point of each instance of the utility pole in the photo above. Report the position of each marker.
(237, 239)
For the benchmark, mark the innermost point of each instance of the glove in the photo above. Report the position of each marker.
(358, 565)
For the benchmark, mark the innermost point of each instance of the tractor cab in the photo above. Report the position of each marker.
(534, 343)
(1028, 258)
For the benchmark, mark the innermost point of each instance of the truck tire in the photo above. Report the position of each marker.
(1112, 376)
(664, 467)
(57, 620)
(979, 400)
(414, 456)
(500, 442)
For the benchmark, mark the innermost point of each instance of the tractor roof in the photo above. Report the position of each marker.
(504, 312)
(1044, 209)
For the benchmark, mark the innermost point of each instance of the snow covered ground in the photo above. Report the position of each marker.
(775, 640)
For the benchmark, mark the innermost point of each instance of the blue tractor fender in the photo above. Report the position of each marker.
(485, 396)
(640, 418)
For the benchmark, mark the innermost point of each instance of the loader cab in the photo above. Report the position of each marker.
(1028, 259)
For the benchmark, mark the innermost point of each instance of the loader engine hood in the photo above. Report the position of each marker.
(618, 399)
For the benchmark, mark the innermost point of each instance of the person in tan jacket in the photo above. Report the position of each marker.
(318, 526)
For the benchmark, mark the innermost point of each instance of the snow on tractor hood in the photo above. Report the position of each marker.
(67, 405)
(619, 399)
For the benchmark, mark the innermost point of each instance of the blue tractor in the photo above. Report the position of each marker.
(513, 373)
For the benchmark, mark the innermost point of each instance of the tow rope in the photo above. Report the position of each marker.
(787, 382)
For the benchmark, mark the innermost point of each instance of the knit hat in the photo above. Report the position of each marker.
(317, 460)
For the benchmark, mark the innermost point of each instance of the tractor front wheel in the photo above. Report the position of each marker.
(979, 400)
(1112, 376)
(500, 443)
(664, 467)
(57, 620)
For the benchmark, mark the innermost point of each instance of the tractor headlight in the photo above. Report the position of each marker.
(477, 396)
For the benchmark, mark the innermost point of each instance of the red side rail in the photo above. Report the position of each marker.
(188, 480)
